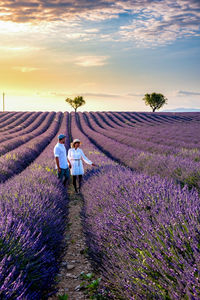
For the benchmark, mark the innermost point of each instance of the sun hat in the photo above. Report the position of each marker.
(61, 136)
(75, 141)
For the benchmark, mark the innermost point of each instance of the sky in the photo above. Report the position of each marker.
(110, 52)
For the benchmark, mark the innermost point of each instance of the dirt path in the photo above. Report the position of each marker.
(73, 262)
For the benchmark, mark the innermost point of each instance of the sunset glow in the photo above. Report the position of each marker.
(111, 52)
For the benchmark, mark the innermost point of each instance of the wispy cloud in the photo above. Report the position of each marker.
(135, 95)
(101, 95)
(188, 93)
(23, 49)
(25, 69)
(91, 61)
(89, 94)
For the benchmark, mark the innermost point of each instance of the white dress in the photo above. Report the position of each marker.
(75, 157)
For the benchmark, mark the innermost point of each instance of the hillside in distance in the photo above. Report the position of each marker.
(182, 109)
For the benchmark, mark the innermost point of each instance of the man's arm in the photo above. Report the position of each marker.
(58, 164)
(69, 163)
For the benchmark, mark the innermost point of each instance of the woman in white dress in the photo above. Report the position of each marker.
(75, 156)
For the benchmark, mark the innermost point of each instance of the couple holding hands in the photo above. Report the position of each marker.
(71, 163)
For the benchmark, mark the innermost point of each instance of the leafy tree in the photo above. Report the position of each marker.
(155, 101)
(76, 102)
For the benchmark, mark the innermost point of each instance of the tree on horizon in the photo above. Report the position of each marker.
(155, 101)
(77, 102)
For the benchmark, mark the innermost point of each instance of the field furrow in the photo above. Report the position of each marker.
(139, 207)
(23, 124)
(35, 121)
(6, 116)
(128, 219)
(16, 141)
(17, 122)
(10, 120)
(137, 142)
(33, 218)
(185, 136)
(16, 160)
(182, 170)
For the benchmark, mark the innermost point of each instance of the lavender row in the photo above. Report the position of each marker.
(113, 118)
(134, 119)
(25, 127)
(40, 125)
(25, 123)
(145, 119)
(6, 116)
(90, 149)
(182, 170)
(163, 117)
(143, 234)
(16, 123)
(11, 119)
(140, 141)
(141, 144)
(3, 115)
(108, 119)
(16, 160)
(186, 133)
(188, 123)
(141, 230)
(33, 208)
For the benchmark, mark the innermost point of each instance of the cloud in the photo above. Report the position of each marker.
(91, 61)
(135, 95)
(25, 69)
(101, 95)
(39, 10)
(162, 22)
(188, 93)
(150, 23)
(23, 49)
(89, 94)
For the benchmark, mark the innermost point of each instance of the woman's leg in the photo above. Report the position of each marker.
(80, 181)
(74, 183)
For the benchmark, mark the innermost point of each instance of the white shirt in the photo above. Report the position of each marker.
(61, 153)
(75, 156)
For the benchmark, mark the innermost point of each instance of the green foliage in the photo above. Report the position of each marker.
(155, 101)
(84, 251)
(76, 102)
(91, 286)
(63, 297)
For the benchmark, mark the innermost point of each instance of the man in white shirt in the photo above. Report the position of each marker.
(62, 163)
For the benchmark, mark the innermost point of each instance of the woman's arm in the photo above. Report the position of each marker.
(86, 160)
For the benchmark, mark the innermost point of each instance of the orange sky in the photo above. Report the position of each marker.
(112, 53)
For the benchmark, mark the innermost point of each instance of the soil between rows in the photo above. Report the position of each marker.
(73, 262)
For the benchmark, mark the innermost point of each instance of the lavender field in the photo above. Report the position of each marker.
(141, 203)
